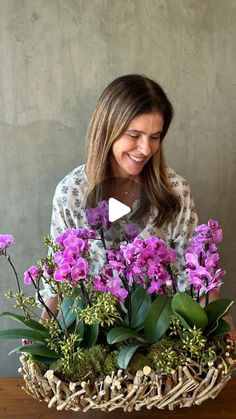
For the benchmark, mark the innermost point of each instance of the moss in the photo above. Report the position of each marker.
(90, 364)
(110, 363)
(138, 361)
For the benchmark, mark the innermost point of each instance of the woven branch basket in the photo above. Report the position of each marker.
(187, 386)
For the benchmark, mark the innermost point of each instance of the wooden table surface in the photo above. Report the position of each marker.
(15, 403)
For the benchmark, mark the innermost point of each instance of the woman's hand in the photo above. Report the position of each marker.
(52, 304)
(232, 335)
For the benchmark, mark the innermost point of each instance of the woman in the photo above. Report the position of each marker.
(126, 134)
(125, 138)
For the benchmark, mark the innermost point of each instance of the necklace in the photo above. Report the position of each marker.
(129, 193)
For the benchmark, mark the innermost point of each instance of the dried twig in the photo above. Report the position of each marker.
(184, 387)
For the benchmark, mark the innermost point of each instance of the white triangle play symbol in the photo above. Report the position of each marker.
(116, 209)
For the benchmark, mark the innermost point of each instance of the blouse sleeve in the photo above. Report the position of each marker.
(183, 227)
(60, 221)
(61, 213)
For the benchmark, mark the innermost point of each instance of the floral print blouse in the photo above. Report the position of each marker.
(69, 204)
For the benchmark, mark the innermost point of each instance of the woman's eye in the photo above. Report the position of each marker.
(134, 136)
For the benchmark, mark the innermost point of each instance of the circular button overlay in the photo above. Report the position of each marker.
(113, 208)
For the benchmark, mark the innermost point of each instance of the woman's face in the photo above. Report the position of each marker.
(137, 145)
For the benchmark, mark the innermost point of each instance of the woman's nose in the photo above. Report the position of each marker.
(144, 146)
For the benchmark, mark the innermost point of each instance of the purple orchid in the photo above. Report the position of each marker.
(62, 273)
(74, 236)
(112, 284)
(79, 270)
(31, 275)
(6, 240)
(202, 258)
(131, 231)
(99, 216)
(142, 262)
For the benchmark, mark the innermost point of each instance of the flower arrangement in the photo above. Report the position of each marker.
(125, 336)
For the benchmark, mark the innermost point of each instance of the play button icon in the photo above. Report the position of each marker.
(117, 209)
(113, 206)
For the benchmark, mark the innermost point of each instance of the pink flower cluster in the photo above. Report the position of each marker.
(201, 257)
(99, 216)
(144, 262)
(71, 260)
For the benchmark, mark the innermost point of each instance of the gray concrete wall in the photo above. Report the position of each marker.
(57, 56)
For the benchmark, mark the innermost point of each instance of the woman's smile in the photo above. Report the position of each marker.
(140, 141)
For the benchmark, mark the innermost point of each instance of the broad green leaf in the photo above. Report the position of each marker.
(36, 349)
(157, 319)
(119, 334)
(140, 304)
(222, 328)
(189, 311)
(215, 311)
(23, 334)
(90, 335)
(126, 354)
(67, 313)
(79, 329)
(32, 324)
(41, 359)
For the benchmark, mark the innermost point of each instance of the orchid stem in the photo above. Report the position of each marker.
(207, 294)
(103, 238)
(85, 294)
(173, 279)
(15, 273)
(49, 312)
(62, 314)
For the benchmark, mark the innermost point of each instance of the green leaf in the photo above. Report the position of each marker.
(67, 314)
(32, 324)
(189, 311)
(222, 328)
(36, 349)
(215, 311)
(40, 359)
(23, 334)
(126, 354)
(90, 335)
(119, 334)
(79, 329)
(140, 304)
(157, 319)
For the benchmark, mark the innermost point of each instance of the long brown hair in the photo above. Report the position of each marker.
(124, 99)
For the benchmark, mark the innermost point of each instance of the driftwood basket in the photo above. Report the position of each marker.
(187, 386)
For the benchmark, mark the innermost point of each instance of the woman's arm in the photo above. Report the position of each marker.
(52, 304)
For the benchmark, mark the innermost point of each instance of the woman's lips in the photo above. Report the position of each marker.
(135, 159)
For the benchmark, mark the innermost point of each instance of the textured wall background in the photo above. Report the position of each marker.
(58, 55)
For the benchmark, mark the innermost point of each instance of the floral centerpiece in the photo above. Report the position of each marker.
(125, 336)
